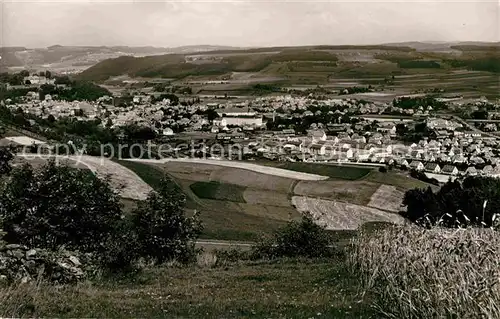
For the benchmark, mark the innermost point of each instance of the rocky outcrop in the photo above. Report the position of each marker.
(19, 263)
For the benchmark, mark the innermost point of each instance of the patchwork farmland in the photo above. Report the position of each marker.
(240, 204)
(241, 201)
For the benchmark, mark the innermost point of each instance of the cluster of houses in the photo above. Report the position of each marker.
(466, 153)
(163, 116)
(452, 150)
(448, 169)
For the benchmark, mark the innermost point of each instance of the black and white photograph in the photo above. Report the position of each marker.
(262, 159)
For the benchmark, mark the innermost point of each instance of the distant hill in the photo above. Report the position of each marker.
(494, 47)
(86, 55)
(217, 62)
(68, 55)
(437, 46)
(9, 57)
(201, 48)
(99, 63)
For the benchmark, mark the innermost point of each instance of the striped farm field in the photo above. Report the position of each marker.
(387, 198)
(341, 216)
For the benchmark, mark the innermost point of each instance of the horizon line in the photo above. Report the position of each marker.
(251, 47)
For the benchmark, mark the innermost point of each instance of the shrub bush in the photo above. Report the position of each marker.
(421, 176)
(164, 232)
(121, 248)
(297, 239)
(6, 157)
(58, 206)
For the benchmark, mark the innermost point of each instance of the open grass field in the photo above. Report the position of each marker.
(224, 221)
(149, 174)
(254, 180)
(219, 191)
(356, 192)
(258, 196)
(261, 169)
(180, 170)
(362, 190)
(264, 289)
(332, 171)
(400, 180)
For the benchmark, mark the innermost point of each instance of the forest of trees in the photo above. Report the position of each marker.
(354, 89)
(76, 92)
(490, 64)
(416, 102)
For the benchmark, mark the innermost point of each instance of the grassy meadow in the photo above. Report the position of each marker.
(219, 191)
(225, 213)
(237, 204)
(332, 171)
(388, 272)
(288, 288)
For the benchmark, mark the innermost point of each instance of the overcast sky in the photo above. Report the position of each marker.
(244, 23)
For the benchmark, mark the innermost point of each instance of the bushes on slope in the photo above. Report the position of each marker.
(297, 239)
(474, 202)
(58, 207)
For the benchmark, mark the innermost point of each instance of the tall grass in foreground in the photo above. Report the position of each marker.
(437, 273)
